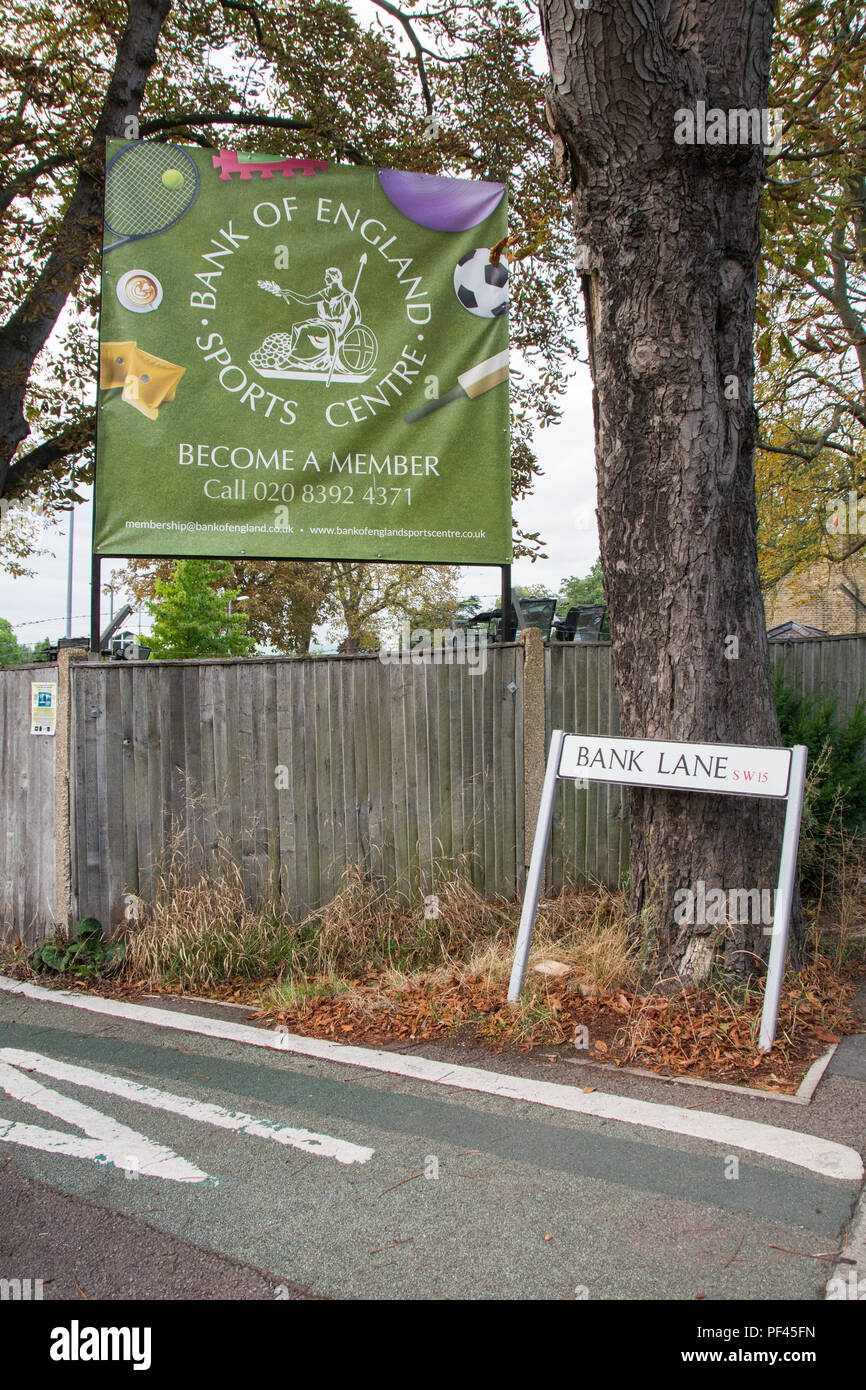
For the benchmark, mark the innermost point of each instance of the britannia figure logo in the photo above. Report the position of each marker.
(334, 345)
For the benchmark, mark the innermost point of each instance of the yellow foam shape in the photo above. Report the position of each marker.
(115, 363)
(132, 395)
(150, 381)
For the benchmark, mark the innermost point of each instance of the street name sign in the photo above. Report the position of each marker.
(726, 769)
(696, 767)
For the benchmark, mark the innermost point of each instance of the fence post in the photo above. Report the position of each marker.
(63, 877)
(533, 735)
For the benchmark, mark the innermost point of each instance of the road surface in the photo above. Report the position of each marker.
(142, 1162)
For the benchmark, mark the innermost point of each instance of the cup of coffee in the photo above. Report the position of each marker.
(139, 291)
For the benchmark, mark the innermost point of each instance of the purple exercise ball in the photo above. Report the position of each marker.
(442, 204)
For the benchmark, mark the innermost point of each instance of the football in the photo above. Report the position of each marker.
(482, 288)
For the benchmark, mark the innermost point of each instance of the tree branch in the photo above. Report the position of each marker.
(247, 9)
(852, 550)
(851, 320)
(24, 180)
(26, 332)
(808, 456)
(246, 118)
(406, 22)
(72, 440)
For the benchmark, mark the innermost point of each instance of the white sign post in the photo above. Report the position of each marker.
(726, 769)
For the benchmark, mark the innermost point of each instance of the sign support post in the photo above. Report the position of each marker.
(536, 866)
(506, 626)
(95, 601)
(784, 899)
(778, 773)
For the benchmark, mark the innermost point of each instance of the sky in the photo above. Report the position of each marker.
(561, 509)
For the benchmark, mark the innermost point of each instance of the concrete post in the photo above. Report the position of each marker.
(63, 884)
(533, 733)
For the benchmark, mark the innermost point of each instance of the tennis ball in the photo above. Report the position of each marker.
(173, 178)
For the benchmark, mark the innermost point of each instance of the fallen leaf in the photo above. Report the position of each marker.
(588, 1090)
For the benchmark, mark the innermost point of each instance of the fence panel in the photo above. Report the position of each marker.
(589, 839)
(825, 666)
(27, 770)
(298, 766)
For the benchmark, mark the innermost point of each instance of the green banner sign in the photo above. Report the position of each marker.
(300, 360)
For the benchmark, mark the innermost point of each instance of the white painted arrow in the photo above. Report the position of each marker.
(154, 1159)
(110, 1142)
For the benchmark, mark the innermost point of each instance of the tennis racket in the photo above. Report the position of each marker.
(148, 188)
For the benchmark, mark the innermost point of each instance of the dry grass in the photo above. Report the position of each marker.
(593, 933)
(371, 966)
(390, 950)
(365, 927)
(13, 956)
(202, 933)
(199, 934)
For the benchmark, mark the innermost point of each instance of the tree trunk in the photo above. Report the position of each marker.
(23, 337)
(671, 233)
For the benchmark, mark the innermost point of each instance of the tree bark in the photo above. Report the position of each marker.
(27, 331)
(672, 232)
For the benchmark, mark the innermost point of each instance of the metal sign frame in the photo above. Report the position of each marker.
(792, 795)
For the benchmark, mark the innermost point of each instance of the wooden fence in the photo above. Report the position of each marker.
(833, 667)
(299, 767)
(588, 836)
(27, 801)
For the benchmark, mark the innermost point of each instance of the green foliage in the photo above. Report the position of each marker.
(589, 589)
(810, 323)
(20, 534)
(467, 607)
(191, 613)
(836, 786)
(532, 591)
(84, 955)
(10, 652)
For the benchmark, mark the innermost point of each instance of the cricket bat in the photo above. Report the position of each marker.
(472, 383)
